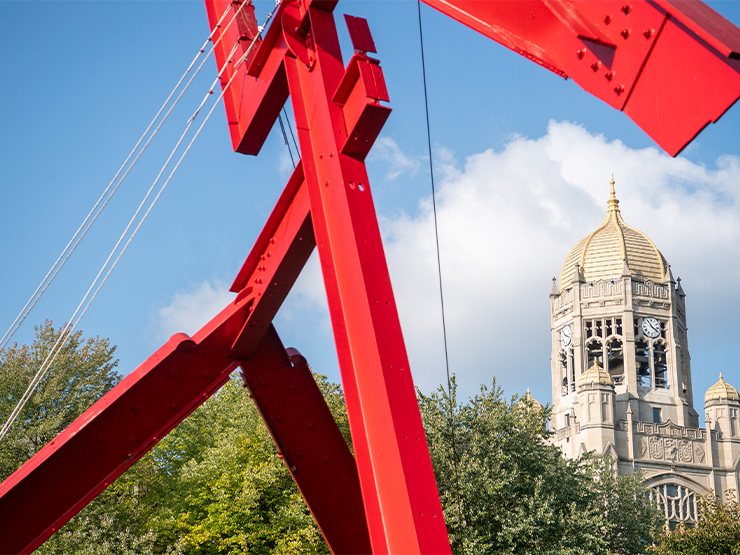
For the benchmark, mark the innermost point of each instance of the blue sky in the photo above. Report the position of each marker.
(523, 160)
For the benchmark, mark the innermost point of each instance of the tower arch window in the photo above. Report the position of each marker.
(606, 412)
(615, 360)
(660, 365)
(642, 360)
(594, 351)
(567, 371)
(563, 365)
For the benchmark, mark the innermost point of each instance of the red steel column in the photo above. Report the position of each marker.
(399, 490)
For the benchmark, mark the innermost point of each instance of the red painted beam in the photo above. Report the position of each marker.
(309, 441)
(259, 90)
(398, 486)
(276, 260)
(338, 116)
(115, 432)
(671, 65)
(130, 419)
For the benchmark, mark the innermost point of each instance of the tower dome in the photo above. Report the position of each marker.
(721, 391)
(529, 401)
(612, 249)
(595, 375)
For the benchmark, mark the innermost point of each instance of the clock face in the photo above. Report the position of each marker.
(565, 335)
(651, 327)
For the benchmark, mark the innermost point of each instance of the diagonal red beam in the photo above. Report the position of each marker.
(673, 66)
(398, 486)
(115, 432)
(130, 419)
(309, 441)
(338, 116)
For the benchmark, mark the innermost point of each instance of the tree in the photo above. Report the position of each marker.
(632, 522)
(83, 371)
(504, 489)
(717, 531)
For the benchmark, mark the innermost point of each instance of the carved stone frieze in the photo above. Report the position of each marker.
(650, 289)
(669, 429)
(669, 442)
(670, 446)
(686, 451)
(601, 288)
(699, 452)
(656, 447)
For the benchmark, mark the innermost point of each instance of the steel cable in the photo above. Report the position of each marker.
(455, 457)
(97, 207)
(72, 324)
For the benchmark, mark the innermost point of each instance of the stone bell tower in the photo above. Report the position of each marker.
(621, 371)
(618, 308)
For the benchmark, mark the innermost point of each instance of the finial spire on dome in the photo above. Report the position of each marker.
(613, 203)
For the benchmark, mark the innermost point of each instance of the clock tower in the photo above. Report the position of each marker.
(621, 370)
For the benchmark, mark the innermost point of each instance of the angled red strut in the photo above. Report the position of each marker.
(673, 66)
(338, 115)
(386, 502)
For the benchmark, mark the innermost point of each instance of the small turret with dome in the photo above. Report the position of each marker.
(528, 401)
(613, 249)
(721, 391)
(595, 376)
(722, 409)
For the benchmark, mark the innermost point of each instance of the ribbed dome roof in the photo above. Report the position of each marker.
(595, 375)
(528, 399)
(721, 391)
(603, 253)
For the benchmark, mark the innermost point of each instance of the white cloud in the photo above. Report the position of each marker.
(508, 219)
(387, 150)
(191, 309)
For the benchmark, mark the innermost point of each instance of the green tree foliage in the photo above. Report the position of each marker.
(215, 484)
(83, 371)
(716, 533)
(504, 489)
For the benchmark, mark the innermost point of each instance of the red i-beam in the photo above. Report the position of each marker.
(338, 115)
(386, 501)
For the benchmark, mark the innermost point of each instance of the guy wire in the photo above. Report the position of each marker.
(439, 262)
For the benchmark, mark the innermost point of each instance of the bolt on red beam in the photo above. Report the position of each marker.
(673, 66)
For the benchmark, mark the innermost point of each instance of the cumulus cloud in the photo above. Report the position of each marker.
(387, 150)
(191, 309)
(507, 219)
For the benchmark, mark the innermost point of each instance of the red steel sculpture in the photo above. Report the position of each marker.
(672, 66)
